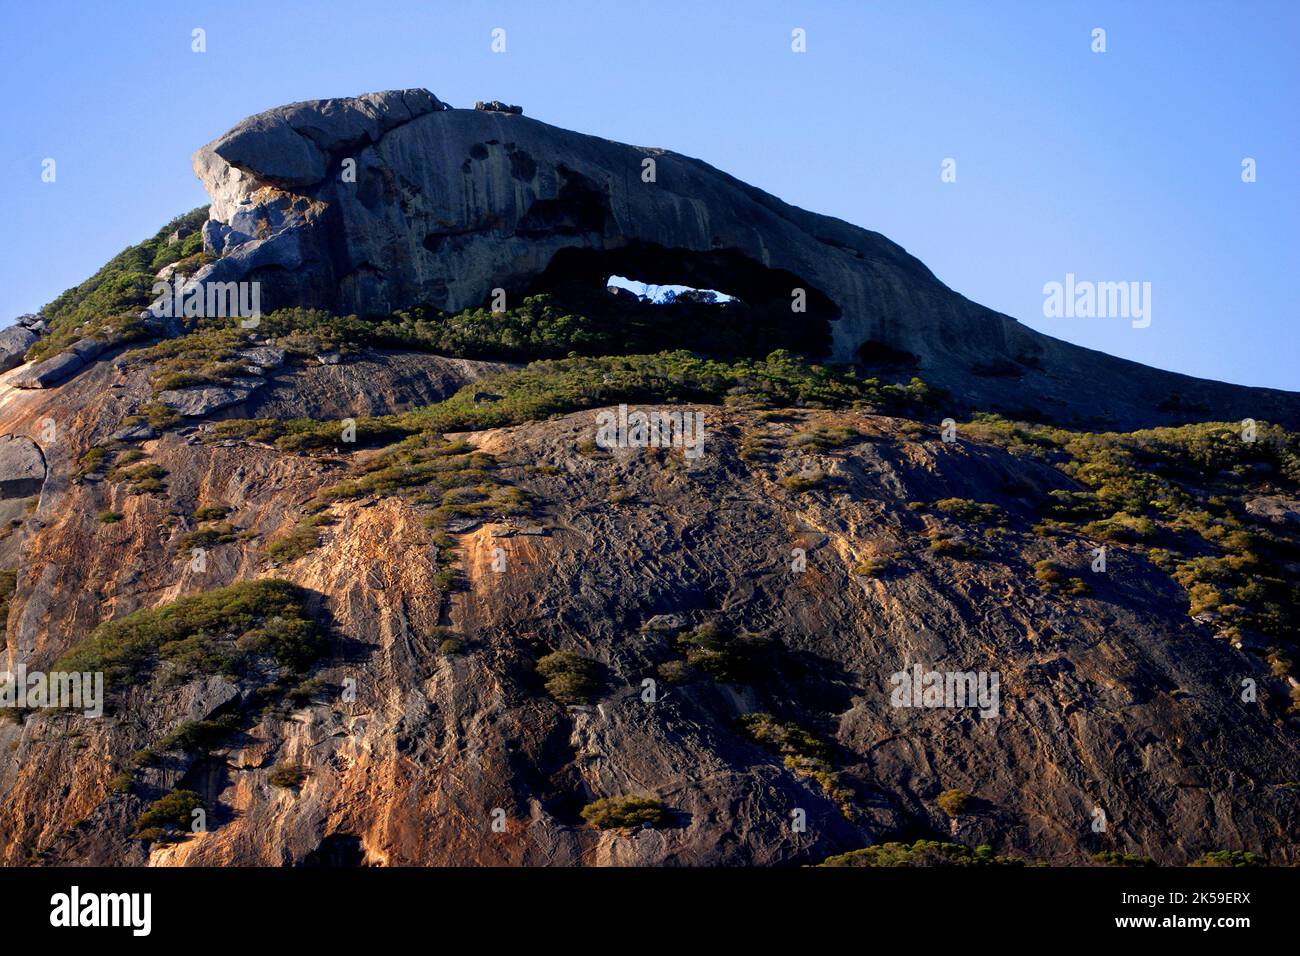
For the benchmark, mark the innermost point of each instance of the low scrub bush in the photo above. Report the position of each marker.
(174, 811)
(288, 776)
(733, 658)
(622, 813)
(570, 678)
(953, 802)
(224, 630)
(922, 853)
(302, 539)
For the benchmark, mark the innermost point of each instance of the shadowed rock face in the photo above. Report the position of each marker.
(392, 199)
(22, 467)
(1115, 700)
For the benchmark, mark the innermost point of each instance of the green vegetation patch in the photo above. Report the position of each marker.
(143, 478)
(733, 658)
(554, 387)
(1180, 494)
(803, 754)
(116, 294)
(570, 678)
(922, 853)
(226, 630)
(167, 815)
(1121, 859)
(206, 356)
(1232, 858)
(622, 813)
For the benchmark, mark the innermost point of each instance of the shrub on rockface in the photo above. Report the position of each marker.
(223, 630)
(287, 776)
(196, 736)
(963, 509)
(733, 658)
(171, 812)
(8, 585)
(1050, 574)
(1229, 858)
(953, 802)
(299, 540)
(570, 678)
(1121, 859)
(802, 754)
(922, 853)
(620, 813)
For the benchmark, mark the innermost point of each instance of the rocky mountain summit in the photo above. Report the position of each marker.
(441, 206)
(399, 575)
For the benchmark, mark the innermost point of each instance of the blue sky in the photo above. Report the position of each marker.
(1122, 166)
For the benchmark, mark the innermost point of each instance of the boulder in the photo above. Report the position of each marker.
(22, 467)
(53, 370)
(49, 371)
(89, 349)
(496, 106)
(132, 433)
(293, 146)
(14, 343)
(203, 399)
(264, 356)
(1275, 508)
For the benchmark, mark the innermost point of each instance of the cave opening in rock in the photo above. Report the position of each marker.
(719, 303)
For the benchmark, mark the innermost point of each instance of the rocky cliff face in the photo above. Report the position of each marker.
(729, 625)
(1115, 700)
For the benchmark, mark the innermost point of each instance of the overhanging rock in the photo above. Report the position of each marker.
(384, 201)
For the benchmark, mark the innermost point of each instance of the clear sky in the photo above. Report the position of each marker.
(1115, 166)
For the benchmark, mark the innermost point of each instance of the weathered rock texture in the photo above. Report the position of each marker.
(14, 343)
(1115, 700)
(22, 467)
(57, 368)
(391, 199)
